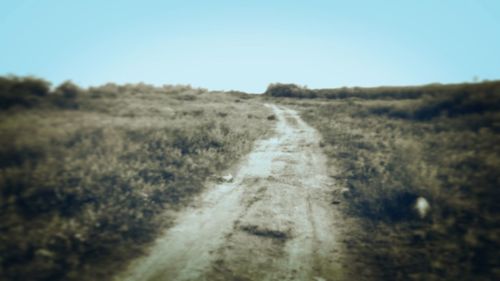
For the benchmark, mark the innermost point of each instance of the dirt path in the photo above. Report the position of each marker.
(274, 221)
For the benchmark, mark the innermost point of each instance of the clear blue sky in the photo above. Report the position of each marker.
(246, 45)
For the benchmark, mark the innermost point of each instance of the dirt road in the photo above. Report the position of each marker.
(274, 221)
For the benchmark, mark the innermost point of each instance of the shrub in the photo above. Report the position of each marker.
(287, 90)
(68, 90)
(387, 93)
(66, 94)
(25, 91)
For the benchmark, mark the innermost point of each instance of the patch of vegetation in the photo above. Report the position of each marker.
(289, 90)
(87, 174)
(431, 91)
(22, 91)
(444, 148)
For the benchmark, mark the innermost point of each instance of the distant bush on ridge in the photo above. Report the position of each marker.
(22, 91)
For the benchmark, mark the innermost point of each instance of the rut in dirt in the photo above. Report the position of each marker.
(274, 221)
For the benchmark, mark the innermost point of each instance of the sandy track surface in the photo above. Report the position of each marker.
(274, 221)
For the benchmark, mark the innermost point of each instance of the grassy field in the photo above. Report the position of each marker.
(86, 175)
(389, 148)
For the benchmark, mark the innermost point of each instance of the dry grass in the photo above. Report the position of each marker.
(388, 156)
(83, 189)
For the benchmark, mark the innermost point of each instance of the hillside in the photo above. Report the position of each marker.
(87, 174)
(395, 145)
(137, 182)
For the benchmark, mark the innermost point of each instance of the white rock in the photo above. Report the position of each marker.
(44, 253)
(227, 178)
(422, 206)
(345, 192)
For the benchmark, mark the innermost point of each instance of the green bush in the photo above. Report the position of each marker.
(68, 90)
(66, 95)
(22, 91)
(287, 90)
